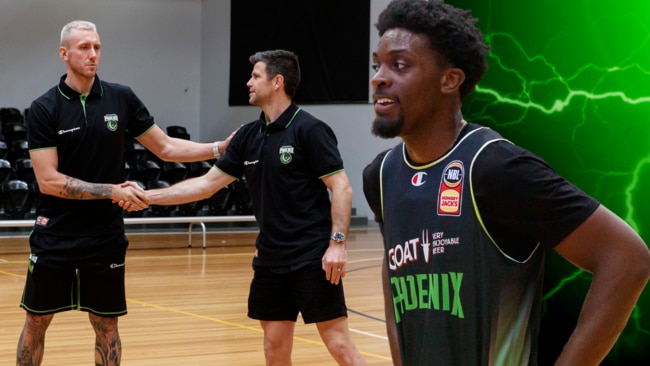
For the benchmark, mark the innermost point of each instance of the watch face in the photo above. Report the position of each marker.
(338, 237)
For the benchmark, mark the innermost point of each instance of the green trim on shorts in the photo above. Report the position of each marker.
(90, 310)
(50, 311)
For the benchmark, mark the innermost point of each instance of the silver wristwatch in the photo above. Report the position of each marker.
(338, 237)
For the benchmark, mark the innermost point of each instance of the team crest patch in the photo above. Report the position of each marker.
(451, 189)
(286, 154)
(111, 121)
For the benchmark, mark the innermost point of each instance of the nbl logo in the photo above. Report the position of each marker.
(451, 189)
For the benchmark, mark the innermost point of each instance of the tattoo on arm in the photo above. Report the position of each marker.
(80, 190)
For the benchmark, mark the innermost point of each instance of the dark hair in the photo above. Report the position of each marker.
(451, 31)
(280, 62)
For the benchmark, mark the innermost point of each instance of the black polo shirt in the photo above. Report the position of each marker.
(88, 133)
(283, 163)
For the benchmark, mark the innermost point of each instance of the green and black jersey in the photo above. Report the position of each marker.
(284, 163)
(464, 238)
(88, 133)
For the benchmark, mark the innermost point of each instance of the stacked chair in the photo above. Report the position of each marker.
(18, 190)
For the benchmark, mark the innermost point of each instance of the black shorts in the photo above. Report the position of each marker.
(281, 296)
(82, 273)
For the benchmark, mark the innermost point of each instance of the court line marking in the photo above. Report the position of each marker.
(243, 326)
(11, 274)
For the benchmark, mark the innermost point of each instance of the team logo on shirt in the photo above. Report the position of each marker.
(111, 121)
(451, 189)
(286, 154)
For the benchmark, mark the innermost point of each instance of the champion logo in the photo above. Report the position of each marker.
(61, 132)
(418, 179)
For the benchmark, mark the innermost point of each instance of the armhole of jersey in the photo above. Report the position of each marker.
(381, 183)
(477, 213)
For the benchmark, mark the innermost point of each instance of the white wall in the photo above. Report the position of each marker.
(174, 54)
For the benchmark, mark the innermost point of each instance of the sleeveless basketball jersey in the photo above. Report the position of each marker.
(457, 299)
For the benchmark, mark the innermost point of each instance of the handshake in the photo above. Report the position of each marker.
(131, 196)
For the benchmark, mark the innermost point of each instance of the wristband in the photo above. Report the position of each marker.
(215, 150)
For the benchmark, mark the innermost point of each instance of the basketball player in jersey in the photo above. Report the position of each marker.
(466, 215)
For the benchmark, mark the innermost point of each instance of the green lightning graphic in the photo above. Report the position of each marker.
(570, 81)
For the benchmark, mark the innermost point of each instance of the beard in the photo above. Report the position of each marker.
(385, 128)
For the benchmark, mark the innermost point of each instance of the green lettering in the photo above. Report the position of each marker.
(412, 300)
(398, 300)
(434, 297)
(445, 292)
(456, 279)
(422, 292)
(442, 292)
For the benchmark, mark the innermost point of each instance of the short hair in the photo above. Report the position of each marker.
(74, 26)
(280, 62)
(452, 34)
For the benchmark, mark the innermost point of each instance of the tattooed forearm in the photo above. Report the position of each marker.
(80, 190)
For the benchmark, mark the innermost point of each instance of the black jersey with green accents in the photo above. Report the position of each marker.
(463, 239)
(88, 133)
(457, 299)
(284, 163)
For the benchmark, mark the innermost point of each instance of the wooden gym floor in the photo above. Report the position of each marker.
(187, 306)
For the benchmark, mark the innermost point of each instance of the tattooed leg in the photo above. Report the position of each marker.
(108, 347)
(31, 343)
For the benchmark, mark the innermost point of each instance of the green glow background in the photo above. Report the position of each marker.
(570, 81)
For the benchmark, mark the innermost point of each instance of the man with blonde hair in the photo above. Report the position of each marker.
(76, 135)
